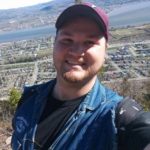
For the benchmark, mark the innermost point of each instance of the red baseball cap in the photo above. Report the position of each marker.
(88, 10)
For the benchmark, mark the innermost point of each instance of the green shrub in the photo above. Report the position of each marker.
(14, 96)
(7, 108)
(146, 102)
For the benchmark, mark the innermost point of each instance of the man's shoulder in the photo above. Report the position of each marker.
(133, 125)
(126, 111)
(35, 90)
(38, 87)
(112, 95)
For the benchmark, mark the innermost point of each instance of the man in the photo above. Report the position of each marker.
(75, 111)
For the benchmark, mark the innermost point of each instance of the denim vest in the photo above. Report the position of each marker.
(91, 126)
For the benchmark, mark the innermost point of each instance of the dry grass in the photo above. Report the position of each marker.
(6, 113)
(5, 134)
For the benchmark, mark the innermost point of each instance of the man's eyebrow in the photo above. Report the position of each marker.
(91, 35)
(95, 36)
(65, 33)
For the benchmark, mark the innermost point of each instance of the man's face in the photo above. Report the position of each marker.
(79, 51)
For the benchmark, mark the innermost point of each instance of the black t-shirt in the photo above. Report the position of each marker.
(54, 117)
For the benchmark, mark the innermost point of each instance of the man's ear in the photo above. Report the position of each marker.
(55, 40)
(107, 45)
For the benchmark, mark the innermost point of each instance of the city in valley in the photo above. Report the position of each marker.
(28, 62)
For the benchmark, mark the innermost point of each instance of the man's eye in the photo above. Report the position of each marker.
(67, 41)
(89, 42)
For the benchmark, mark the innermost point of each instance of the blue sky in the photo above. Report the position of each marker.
(6, 4)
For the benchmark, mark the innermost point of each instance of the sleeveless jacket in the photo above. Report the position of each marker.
(91, 127)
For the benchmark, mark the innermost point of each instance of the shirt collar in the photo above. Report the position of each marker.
(94, 98)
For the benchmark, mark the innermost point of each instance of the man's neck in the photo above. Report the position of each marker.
(69, 91)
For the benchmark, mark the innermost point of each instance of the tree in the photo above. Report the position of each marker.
(14, 96)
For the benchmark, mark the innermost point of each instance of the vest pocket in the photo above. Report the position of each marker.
(15, 143)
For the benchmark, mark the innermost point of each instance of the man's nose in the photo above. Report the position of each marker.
(77, 49)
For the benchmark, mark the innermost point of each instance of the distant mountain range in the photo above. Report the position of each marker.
(57, 5)
(33, 16)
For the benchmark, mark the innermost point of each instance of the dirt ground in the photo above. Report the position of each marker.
(5, 136)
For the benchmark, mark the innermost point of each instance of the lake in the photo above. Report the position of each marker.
(27, 34)
(130, 14)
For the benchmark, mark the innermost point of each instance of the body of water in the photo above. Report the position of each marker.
(27, 34)
(129, 14)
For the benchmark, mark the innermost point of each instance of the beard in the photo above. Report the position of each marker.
(70, 77)
(78, 77)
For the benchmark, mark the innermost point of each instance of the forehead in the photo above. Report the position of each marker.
(81, 25)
